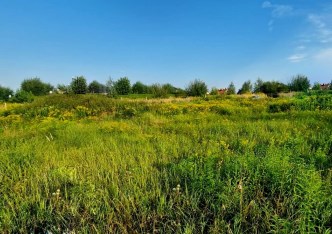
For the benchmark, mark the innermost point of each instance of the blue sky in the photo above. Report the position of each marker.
(173, 41)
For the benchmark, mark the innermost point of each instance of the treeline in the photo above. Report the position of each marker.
(36, 87)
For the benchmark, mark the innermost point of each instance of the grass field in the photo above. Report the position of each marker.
(92, 164)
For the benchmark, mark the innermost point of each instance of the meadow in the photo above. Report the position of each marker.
(93, 164)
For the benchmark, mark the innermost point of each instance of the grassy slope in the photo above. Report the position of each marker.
(95, 165)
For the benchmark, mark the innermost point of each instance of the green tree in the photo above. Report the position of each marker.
(5, 93)
(123, 86)
(110, 88)
(78, 85)
(96, 87)
(139, 88)
(196, 88)
(231, 89)
(170, 89)
(246, 87)
(316, 86)
(299, 83)
(36, 86)
(331, 85)
(258, 84)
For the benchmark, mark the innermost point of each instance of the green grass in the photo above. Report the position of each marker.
(92, 164)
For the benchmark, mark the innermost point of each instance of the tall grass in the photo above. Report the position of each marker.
(99, 165)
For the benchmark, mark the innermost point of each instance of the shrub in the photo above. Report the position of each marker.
(272, 88)
(23, 96)
(196, 88)
(158, 91)
(214, 91)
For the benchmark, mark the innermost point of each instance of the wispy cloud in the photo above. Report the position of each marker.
(322, 26)
(316, 36)
(295, 58)
(278, 11)
(299, 48)
(324, 55)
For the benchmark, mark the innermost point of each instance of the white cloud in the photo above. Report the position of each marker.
(323, 59)
(322, 28)
(301, 47)
(278, 11)
(266, 4)
(295, 58)
(324, 55)
(270, 24)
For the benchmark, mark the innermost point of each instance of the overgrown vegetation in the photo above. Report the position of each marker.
(229, 164)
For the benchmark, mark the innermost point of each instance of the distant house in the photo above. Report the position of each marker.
(324, 86)
(222, 91)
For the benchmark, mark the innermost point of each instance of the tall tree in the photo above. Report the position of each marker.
(139, 88)
(231, 89)
(36, 86)
(110, 87)
(299, 83)
(96, 87)
(123, 86)
(78, 85)
(258, 84)
(246, 87)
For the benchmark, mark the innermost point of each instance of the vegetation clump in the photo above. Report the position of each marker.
(197, 88)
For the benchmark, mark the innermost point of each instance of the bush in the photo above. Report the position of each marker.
(23, 96)
(272, 88)
(197, 88)
(214, 91)
(158, 91)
